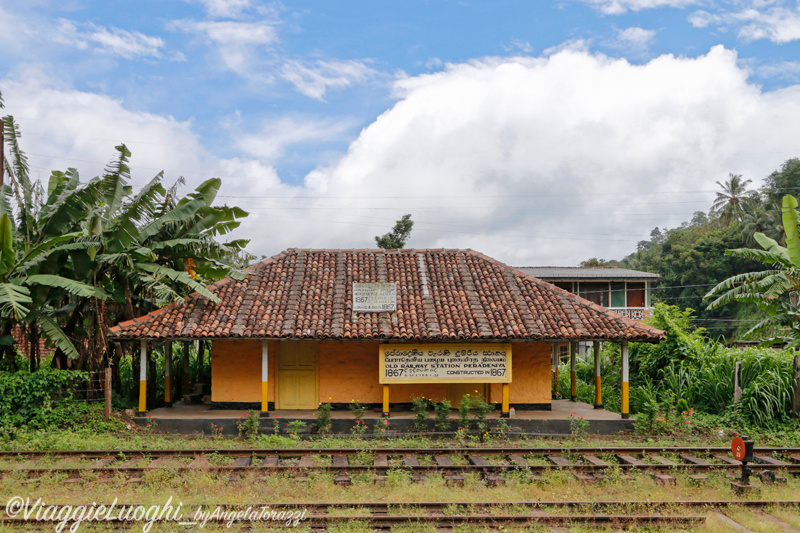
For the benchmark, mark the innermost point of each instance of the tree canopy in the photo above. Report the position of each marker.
(399, 235)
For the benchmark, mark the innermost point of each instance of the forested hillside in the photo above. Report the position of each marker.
(691, 258)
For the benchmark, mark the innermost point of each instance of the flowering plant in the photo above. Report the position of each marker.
(216, 431)
(359, 428)
(248, 423)
(577, 425)
(381, 426)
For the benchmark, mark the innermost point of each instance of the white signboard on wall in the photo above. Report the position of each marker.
(374, 297)
(445, 363)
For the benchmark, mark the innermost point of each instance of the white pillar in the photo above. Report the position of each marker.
(264, 376)
(573, 371)
(625, 402)
(598, 389)
(142, 376)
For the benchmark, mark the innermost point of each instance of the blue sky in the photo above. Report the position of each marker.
(535, 132)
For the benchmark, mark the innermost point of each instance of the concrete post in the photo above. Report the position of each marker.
(598, 389)
(573, 371)
(142, 376)
(264, 378)
(625, 399)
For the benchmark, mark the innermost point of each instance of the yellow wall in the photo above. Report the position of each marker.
(236, 371)
(348, 371)
(531, 374)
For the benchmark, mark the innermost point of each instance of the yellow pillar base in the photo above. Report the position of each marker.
(505, 409)
(625, 404)
(142, 396)
(386, 401)
(168, 390)
(573, 386)
(598, 393)
(264, 397)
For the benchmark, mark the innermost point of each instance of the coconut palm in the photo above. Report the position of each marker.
(729, 202)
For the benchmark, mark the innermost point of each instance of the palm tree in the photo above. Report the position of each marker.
(729, 202)
(764, 218)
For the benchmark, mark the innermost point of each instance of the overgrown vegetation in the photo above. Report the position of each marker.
(689, 367)
(79, 256)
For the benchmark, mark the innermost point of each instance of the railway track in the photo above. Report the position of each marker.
(617, 514)
(585, 463)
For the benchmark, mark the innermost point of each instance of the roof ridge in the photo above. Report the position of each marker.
(339, 290)
(291, 311)
(384, 320)
(482, 322)
(525, 310)
(431, 321)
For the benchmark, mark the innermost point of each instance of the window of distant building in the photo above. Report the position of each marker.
(595, 292)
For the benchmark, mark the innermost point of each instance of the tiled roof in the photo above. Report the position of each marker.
(441, 295)
(587, 273)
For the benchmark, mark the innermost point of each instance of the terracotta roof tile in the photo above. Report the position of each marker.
(442, 294)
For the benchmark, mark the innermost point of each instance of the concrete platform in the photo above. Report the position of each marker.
(195, 419)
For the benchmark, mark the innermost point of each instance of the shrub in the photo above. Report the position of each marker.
(577, 425)
(294, 428)
(248, 423)
(323, 423)
(464, 411)
(442, 410)
(481, 408)
(420, 407)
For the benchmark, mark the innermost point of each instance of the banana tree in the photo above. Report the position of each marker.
(80, 256)
(776, 289)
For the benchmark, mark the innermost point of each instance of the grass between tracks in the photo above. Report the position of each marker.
(206, 488)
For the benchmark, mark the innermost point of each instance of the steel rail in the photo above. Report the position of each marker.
(484, 520)
(422, 469)
(493, 450)
(383, 507)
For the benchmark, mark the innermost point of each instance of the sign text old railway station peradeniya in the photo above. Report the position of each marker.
(445, 363)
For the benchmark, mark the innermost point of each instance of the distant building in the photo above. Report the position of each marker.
(622, 290)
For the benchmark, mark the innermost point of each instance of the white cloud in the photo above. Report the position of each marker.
(574, 45)
(64, 128)
(636, 36)
(546, 160)
(270, 142)
(238, 43)
(555, 160)
(231, 33)
(113, 41)
(787, 70)
(616, 7)
(519, 46)
(756, 20)
(225, 8)
(314, 79)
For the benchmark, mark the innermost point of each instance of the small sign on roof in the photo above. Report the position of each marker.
(374, 297)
